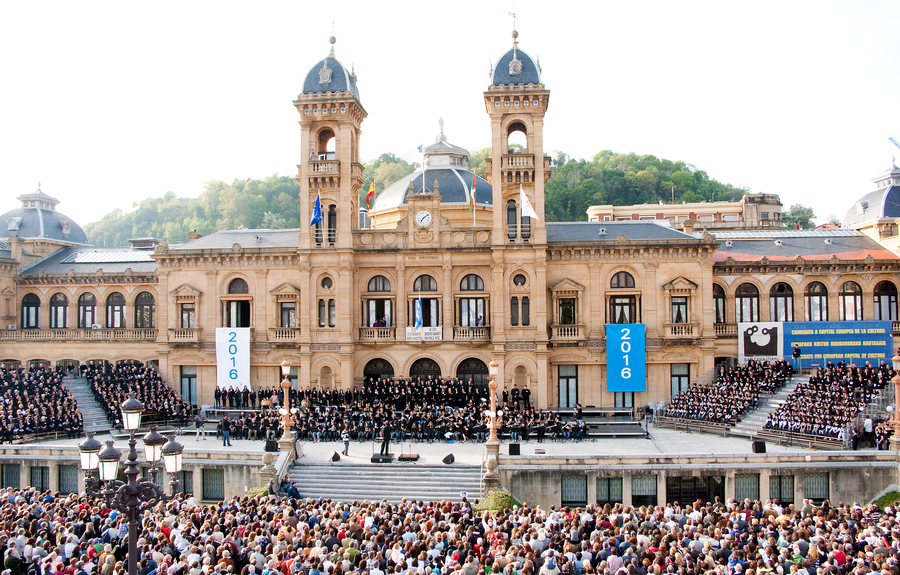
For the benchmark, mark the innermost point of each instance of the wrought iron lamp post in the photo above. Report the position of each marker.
(133, 495)
(492, 446)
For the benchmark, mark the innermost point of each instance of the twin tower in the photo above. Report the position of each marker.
(331, 116)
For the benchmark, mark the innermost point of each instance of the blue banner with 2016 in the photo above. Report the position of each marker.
(626, 358)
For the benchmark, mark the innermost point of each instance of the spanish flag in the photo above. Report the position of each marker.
(371, 194)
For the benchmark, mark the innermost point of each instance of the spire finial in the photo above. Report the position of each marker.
(515, 33)
(332, 40)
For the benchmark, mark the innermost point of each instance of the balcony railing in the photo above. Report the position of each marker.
(726, 329)
(282, 334)
(324, 167)
(896, 329)
(110, 334)
(468, 333)
(185, 335)
(561, 333)
(518, 161)
(681, 329)
(376, 334)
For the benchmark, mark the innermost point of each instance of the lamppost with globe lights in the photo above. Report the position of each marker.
(132, 496)
(492, 446)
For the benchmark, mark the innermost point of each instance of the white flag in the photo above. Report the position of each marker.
(527, 208)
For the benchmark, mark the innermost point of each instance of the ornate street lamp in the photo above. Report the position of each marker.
(492, 446)
(286, 419)
(133, 496)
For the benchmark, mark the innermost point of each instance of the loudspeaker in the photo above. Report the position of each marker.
(408, 457)
(449, 459)
(758, 446)
(271, 445)
(515, 449)
(335, 457)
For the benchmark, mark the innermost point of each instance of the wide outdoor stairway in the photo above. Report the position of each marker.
(94, 416)
(346, 482)
(755, 420)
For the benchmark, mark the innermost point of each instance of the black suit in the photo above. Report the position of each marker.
(385, 438)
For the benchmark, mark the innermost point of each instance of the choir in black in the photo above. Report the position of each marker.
(35, 402)
(112, 383)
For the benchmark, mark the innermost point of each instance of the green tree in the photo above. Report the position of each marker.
(799, 215)
(477, 164)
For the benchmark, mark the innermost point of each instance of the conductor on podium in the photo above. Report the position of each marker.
(385, 438)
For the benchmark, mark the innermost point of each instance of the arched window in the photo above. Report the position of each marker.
(377, 310)
(332, 224)
(746, 303)
(87, 311)
(472, 282)
(424, 283)
(236, 309)
(885, 301)
(325, 145)
(144, 305)
(379, 284)
(816, 296)
(59, 311)
(115, 310)
(31, 311)
(850, 302)
(622, 280)
(238, 286)
(781, 302)
(472, 310)
(719, 303)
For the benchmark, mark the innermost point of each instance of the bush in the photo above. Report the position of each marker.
(888, 499)
(258, 492)
(498, 500)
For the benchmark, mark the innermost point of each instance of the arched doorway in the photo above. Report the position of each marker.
(474, 369)
(424, 368)
(378, 368)
(326, 378)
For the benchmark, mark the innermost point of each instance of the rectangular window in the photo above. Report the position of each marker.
(10, 475)
(331, 313)
(526, 311)
(624, 399)
(567, 311)
(681, 375)
(643, 490)
(87, 315)
(214, 484)
(288, 314)
(514, 311)
(781, 487)
(472, 312)
(568, 385)
(185, 481)
(885, 307)
(679, 310)
(764, 216)
(188, 316)
(719, 305)
(378, 313)
(68, 479)
(189, 384)
(746, 486)
(623, 309)
(815, 487)
(59, 317)
(323, 318)
(574, 490)
(609, 490)
(30, 317)
(40, 478)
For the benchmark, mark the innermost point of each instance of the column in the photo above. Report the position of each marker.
(729, 484)
(626, 489)
(53, 465)
(448, 300)
(764, 475)
(592, 487)
(400, 302)
(661, 488)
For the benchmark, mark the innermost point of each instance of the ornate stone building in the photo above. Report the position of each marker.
(339, 298)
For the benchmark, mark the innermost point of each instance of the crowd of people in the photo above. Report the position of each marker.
(735, 391)
(829, 402)
(415, 409)
(35, 402)
(112, 384)
(50, 534)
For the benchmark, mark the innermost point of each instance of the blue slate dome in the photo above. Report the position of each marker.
(516, 67)
(329, 75)
(38, 219)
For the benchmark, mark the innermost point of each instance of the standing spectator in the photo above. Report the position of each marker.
(226, 431)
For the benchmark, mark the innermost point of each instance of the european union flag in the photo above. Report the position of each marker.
(317, 212)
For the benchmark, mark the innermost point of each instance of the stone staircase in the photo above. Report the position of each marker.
(754, 421)
(94, 416)
(347, 482)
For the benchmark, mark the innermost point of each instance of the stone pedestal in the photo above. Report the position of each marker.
(268, 470)
(491, 478)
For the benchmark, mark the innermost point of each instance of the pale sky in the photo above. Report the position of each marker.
(108, 103)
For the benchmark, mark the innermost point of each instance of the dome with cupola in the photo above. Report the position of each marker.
(37, 219)
(516, 67)
(329, 75)
(448, 166)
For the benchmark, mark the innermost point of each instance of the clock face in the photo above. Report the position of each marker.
(423, 218)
